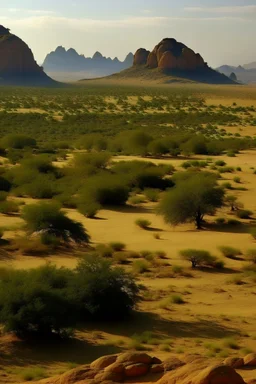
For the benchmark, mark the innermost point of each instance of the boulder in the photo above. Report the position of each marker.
(104, 362)
(152, 61)
(108, 376)
(77, 374)
(157, 368)
(234, 362)
(218, 374)
(116, 368)
(250, 360)
(135, 358)
(136, 370)
(141, 57)
(155, 360)
(172, 363)
(168, 61)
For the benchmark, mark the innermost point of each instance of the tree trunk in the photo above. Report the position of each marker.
(198, 221)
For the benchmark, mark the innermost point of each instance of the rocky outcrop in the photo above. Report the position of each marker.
(169, 55)
(140, 367)
(141, 57)
(17, 63)
(173, 58)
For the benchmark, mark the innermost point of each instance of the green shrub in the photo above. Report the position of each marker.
(143, 223)
(32, 374)
(117, 246)
(220, 221)
(5, 184)
(177, 299)
(198, 257)
(8, 207)
(88, 208)
(220, 163)
(152, 194)
(48, 218)
(18, 141)
(140, 266)
(237, 180)
(233, 222)
(105, 251)
(253, 233)
(251, 254)
(230, 252)
(244, 214)
(136, 200)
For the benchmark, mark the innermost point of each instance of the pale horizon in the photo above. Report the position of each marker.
(223, 32)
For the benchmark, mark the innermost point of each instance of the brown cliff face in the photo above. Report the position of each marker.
(17, 62)
(170, 55)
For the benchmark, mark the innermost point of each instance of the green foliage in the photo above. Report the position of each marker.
(195, 195)
(140, 266)
(49, 300)
(230, 252)
(244, 213)
(117, 246)
(152, 194)
(48, 218)
(18, 141)
(198, 257)
(143, 223)
(251, 254)
(253, 232)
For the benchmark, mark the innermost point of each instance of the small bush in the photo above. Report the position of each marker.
(251, 254)
(177, 269)
(157, 236)
(89, 208)
(136, 200)
(220, 163)
(233, 222)
(220, 221)
(177, 299)
(231, 343)
(140, 266)
(117, 246)
(31, 374)
(104, 251)
(121, 257)
(198, 257)
(253, 233)
(8, 207)
(237, 180)
(230, 252)
(152, 194)
(244, 214)
(143, 223)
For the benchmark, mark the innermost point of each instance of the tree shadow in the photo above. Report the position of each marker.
(228, 271)
(129, 209)
(29, 353)
(226, 228)
(164, 328)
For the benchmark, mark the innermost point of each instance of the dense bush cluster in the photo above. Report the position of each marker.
(49, 300)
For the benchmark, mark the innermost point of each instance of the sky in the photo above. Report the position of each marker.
(222, 31)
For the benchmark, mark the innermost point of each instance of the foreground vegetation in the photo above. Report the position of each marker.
(115, 210)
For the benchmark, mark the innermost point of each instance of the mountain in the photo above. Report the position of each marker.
(171, 61)
(244, 74)
(17, 63)
(69, 61)
(250, 65)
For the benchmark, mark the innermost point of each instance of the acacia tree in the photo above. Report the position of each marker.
(191, 199)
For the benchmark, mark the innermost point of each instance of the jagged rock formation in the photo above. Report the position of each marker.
(17, 63)
(190, 369)
(62, 60)
(175, 58)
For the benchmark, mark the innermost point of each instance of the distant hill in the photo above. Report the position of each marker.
(170, 61)
(244, 74)
(17, 63)
(70, 63)
(250, 65)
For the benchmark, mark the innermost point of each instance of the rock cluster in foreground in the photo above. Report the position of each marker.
(140, 367)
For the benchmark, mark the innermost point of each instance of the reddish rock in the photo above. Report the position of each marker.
(134, 357)
(155, 360)
(172, 363)
(78, 374)
(141, 57)
(152, 61)
(116, 368)
(234, 362)
(109, 376)
(250, 360)
(104, 362)
(17, 61)
(136, 370)
(168, 61)
(157, 368)
(219, 374)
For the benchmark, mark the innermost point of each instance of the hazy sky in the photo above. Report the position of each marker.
(223, 31)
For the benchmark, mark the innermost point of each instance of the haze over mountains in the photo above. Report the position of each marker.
(244, 74)
(63, 63)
